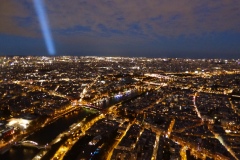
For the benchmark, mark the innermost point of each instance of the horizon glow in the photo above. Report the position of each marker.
(43, 19)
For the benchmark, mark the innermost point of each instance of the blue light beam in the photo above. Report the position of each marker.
(42, 17)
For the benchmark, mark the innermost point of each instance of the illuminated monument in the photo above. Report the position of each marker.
(39, 7)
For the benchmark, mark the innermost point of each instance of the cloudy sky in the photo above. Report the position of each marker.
(149, 28)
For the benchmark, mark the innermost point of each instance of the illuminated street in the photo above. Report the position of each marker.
(54, 110)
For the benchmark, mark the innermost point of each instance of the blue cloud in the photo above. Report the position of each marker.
(156, 18)
(135, 27)
(120, 19)
(108, 31)
(175, 17)
(74, 30)
(24, 21)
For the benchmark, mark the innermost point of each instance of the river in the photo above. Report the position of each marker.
(44, 135)
(48, 133)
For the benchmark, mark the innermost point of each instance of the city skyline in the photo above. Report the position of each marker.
(186, 29)
(115, 108)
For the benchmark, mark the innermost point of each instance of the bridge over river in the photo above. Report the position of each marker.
(28, 143)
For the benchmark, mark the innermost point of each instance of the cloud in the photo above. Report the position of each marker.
(142, 18)
(154, 17)
(17, 17)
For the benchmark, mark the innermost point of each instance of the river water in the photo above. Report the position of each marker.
(47, 134)
(44, 135)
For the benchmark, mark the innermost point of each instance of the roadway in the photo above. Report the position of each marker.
(217, 136)
(156, 145)
(63, 149)
(116, 143)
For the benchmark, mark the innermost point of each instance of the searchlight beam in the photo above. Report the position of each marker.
(42, 17)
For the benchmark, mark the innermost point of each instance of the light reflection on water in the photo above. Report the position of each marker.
(43, 136)
(20, 153)
(51, 131)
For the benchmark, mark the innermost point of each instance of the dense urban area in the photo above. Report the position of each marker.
(119, 108)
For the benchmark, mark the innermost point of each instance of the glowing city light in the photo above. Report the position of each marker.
(42, 17)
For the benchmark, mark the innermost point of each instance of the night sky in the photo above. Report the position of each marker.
(135, 28)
